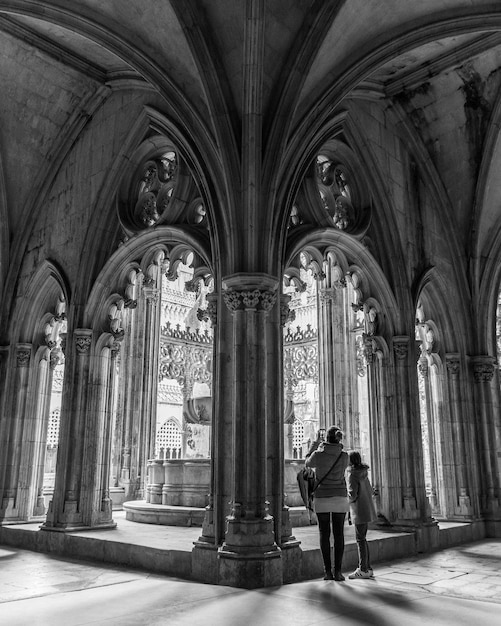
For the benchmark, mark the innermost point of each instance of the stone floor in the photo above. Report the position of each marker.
(456, 586)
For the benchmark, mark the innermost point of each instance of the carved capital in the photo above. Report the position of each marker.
(152, 296)
(453, 365)
(23, 355)
(255, 300)
(327, 295)
(483, 368)
(83, 340)
(401, 347)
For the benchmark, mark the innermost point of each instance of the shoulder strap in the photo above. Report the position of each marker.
(328, 472)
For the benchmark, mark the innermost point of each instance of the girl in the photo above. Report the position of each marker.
(362, 511)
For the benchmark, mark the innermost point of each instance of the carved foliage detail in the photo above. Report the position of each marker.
(252, 300)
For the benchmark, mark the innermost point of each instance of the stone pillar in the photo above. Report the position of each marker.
(327, 387)
(250, 554)
(109, 414)
(432, 435)
(414, 503)
(10, 499)
(130, 398)
(211, 534)
(489, 427)
(463, 507)
(148, 415)
(31, 502)
(77, 491)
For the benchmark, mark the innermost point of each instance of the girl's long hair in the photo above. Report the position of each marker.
(356, 460)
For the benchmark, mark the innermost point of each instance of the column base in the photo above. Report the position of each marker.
(250, 570)
(205, 563)
(71, 520)
(292, 562)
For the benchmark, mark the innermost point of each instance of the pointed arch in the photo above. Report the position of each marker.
(46, 287)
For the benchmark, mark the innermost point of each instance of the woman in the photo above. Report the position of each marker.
(331, 503)
(362, 511)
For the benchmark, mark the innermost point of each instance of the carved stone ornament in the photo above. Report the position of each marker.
(115, 349)
(23, 357)
(453, 366)
(483, 369)
(152, 296)
(55, 358)
(369, 348)
(253, 300)
(400, 348)
(327, 295)
(423, 367)
(83, 343)
(286, 313)
(209, 313)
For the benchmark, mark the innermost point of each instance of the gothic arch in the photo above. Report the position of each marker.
(145, 244)
(203, 170)
(357, 255)
(45, 289)
(443, 306)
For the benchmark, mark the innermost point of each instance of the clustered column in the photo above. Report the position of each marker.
(483, 372)
(250, 556)
(460, 456)
(410, 444)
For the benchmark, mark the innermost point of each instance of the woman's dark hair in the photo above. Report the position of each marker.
(333, 435)
(356, 459)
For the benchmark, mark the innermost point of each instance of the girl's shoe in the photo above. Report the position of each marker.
(358, 573)
(338, 576)
(328, 575)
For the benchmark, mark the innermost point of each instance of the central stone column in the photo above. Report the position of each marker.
(250, 556)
